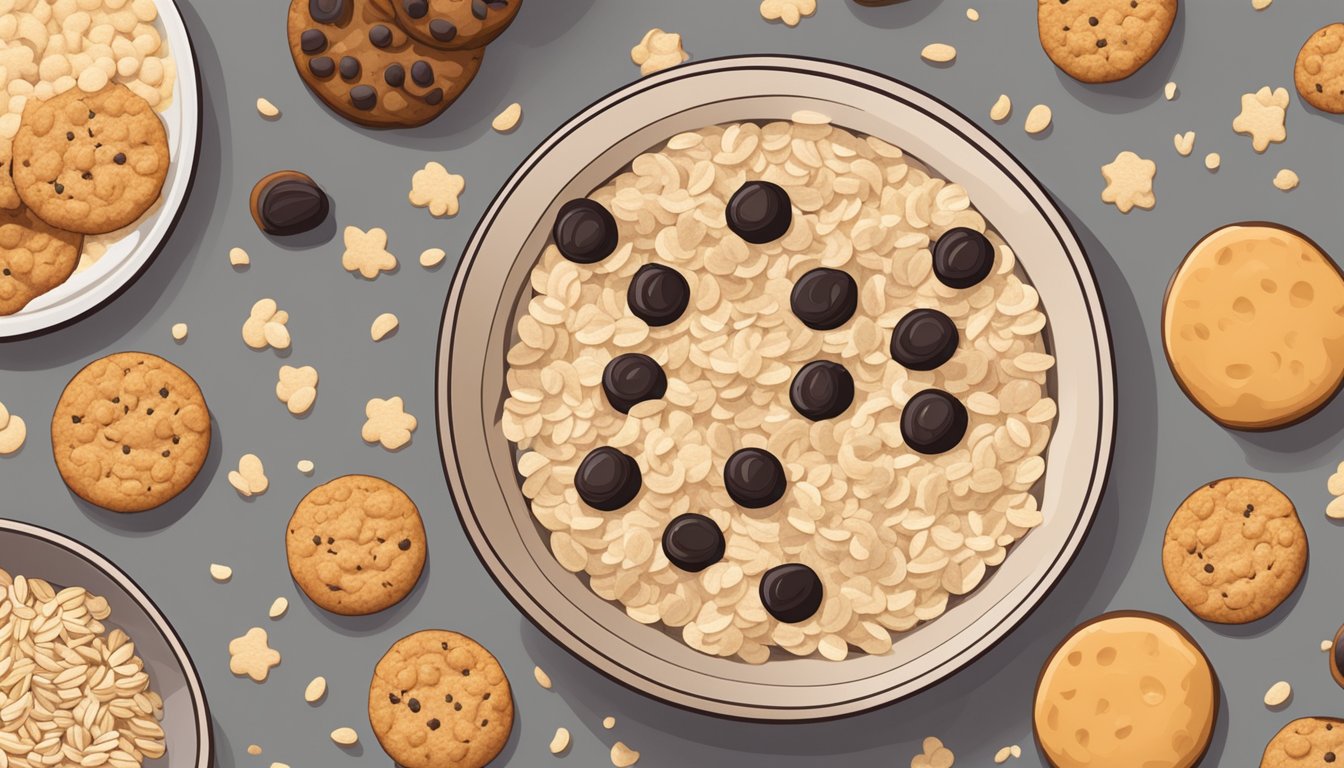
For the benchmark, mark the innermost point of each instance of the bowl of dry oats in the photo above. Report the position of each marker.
(775, 389)
(91, 672)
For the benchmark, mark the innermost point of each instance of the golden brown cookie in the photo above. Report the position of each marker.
(1124, 690)
(130, 432)
(355, 57)
(440, 700)
(455, 25)
(90, 162)
(1319, 72)
(1101, 41)
(1253, 326)
(34, 258)
(356, 545)
(1234, 550)
(1308, 742)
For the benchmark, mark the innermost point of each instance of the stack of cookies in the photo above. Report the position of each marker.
(82, 164)
(393, 63)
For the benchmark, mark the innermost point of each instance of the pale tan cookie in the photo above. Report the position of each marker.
(130, 432)
(356, 545)
(1253, 326)
(1319, 72)
(1234, 550)
(90, 162)
(34, 258)
(1307, 742)
(1100, 41)
(1125, 690)
(440, 700)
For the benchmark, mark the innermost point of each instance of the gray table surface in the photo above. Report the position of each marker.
(558, 57)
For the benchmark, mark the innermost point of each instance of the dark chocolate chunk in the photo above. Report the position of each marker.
(434, 96)
(327, 11)
(693, 542)
(395, 75)
(478, 9)
(924, 339)
(350, 68)
(962, 257)
(380, 36)
(322, 66)
(287, 203)
(584, 231)
(754, 478)
(658, 295)
(364, 97)
(422, 73)
(791, 592)
(607, 479)
(933, 422)
(313, 41)
(442, 30)
(416, 9)
(631, 379)
(822, 390)
(759, 212)
(824, 299)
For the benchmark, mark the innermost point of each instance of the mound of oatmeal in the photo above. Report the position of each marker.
(779, 386)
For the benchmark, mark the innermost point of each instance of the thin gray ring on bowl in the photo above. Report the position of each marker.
(65, 562)
(489, 290)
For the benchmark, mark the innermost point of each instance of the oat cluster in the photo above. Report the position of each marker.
(892, 533)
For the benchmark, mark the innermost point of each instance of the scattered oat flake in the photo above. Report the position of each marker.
(1262, 117)
(239, 258)
(1129, 182)
(1169, 91)
(383, 325)
(366, 252)
(658, 50)
(1185, 143)
(12, 434)
(810, 117)
(279, 765)
(1038, 119)
(508, 119)
(315, 690)
(1003, 755)
(220, 573)
(560, 741)
(1286, 180)
(1261, 5)
(623, 756)
(278, 608)
(250, 477)
(179, 331)
(432, 257)
(608, 722)
(972, 14)
(935, 755)
(1335, 510)
(433, 187)
(543, 679)
(1003, 107)
(788, 11)
(305, 466)
(250, 655)
(1212, 161)
(1326, 645)
(253, 750)
(387, 422)
(346, 737)
(938, 53)
(1278, 693)
(297, 388)
(266, 109)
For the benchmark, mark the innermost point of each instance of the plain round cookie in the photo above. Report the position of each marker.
(1307, 742)
(438, 699)
(1319, 72)
(1253, 326)
(356, 545)
(1123, 690)
(130, 432)
(365, 67)
(1101, 41)
(1234, 550)
(90, 162)
(456, 25)
(34, 258)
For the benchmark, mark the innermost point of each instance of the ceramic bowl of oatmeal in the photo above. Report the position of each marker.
(775, 389)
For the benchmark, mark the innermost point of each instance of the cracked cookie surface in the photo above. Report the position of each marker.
(130, 432)
(1100, 41)
(1234, 550)
(440, 699)
(34, 258)
(356, 545)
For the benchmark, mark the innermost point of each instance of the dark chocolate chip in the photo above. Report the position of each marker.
(924, 339)
(395, 75)
(824, 299)
(822, 390)
(119, 158)
(693, 542)
(631, 379)
(933, 422)
(759, 212)
(434, 97)
(754, 478)
(364, 97)
(607, 479)
(350, 68)
(414, 705)
(380, 36)
(658, 295)
(433, 724)
(584, 231)
(404, 544)
(442, 30)
(326, 11)
(422, 73)
(313, 41)
(791, 592)
(478, 9)
(322, 66)
(962, 257)
(416, 9)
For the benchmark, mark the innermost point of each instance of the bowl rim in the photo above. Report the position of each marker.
(205, 752)
(1044, 207)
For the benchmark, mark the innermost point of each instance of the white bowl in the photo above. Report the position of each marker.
(36, 552)
(130, 251)
(490, 290)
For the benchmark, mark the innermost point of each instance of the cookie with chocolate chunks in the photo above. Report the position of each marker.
(455, 25)
(358, 61)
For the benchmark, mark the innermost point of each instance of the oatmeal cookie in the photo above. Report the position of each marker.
(440, 700)
(455, 25)
(1101, 41)
(90, 162)
(130, 432)
(1319, 72)
(1234, 550)
(34, 258)
(9, 195)
(356, 545)
(1306, 741)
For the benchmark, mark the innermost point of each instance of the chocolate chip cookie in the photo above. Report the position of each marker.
(130, 432)
(1307, 741)
(355, 57)
(455, 25)
(439, 700)
(1101, 41)
(90, 162)
(356, 545)
(34, 258)
(1319, 72)
(1234, 550)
